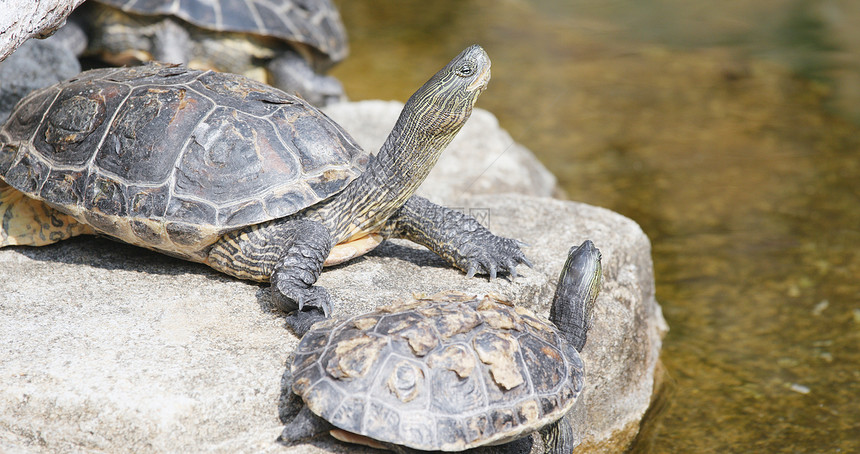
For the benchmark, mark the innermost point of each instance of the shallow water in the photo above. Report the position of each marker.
(729, 132)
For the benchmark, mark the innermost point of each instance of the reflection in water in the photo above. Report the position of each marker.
(716, 126)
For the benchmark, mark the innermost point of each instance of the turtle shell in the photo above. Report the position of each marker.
(315, 23)
(448, 372)
(171, 158)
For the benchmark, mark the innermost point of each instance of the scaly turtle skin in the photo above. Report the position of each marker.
(286, 43)
(447, 372)
(219, 169)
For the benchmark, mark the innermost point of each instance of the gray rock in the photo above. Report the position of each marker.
(36, 64)
(108, 347)
(21, 20)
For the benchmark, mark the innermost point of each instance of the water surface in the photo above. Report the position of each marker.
(729, 131)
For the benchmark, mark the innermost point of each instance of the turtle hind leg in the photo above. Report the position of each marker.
(30, 222)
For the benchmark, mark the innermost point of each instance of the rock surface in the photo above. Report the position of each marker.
(21, 20)
(113, 348)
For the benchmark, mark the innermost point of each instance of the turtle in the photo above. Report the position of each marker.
(220, 169)
(449, 372)
(287, 43)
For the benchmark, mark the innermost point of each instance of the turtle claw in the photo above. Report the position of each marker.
(493, 256)
(302, 299)
(512, 269)
(471, 271)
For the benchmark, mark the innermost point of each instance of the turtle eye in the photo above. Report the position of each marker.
(466, 70)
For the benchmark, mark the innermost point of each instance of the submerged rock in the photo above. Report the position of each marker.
(115, 348)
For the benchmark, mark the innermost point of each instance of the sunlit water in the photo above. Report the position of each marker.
(727, 130)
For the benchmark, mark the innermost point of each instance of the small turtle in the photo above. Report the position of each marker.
(219, 169)
(286, 43)
(447, 372)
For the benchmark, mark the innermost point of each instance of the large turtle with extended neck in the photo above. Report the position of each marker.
(219, 169)
(286, 43)
(447, 372)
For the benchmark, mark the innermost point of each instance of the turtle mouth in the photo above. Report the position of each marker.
(481, 81)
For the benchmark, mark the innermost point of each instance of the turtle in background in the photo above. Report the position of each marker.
(219, 169)
(289, 44)
(447, 372)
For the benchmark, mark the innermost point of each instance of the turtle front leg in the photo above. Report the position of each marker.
(458, 238)
(289, 254)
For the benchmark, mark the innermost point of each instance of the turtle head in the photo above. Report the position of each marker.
(428, 122)
(578, 286)
(445, 102)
